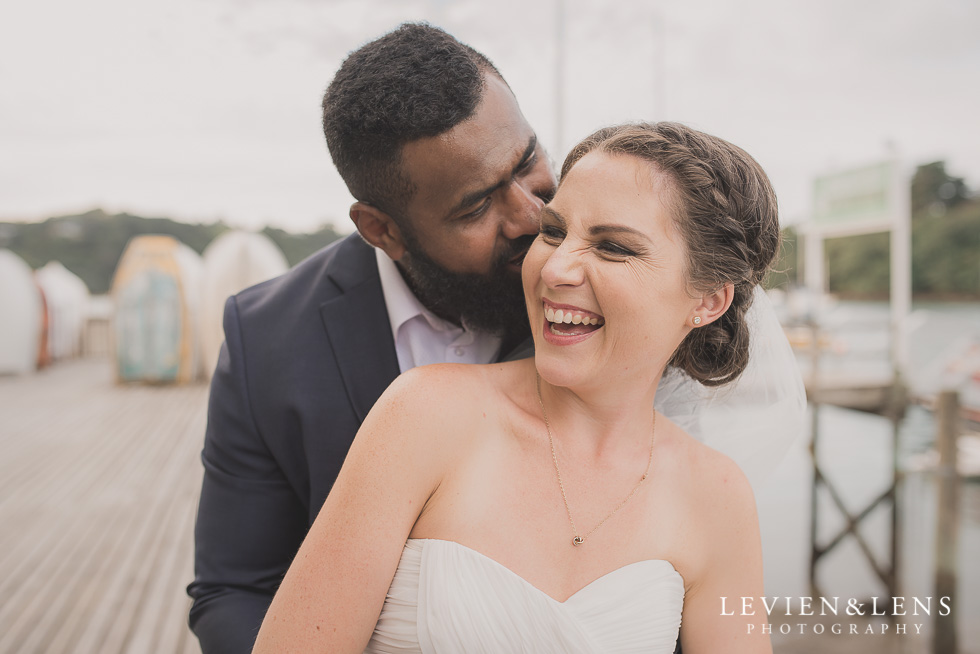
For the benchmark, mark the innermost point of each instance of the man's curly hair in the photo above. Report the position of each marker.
(412, 83)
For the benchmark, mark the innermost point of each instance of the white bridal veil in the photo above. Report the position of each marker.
(755, 418)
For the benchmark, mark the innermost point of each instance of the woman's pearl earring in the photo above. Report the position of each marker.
(697, 320)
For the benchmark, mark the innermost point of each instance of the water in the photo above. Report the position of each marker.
(855, 453)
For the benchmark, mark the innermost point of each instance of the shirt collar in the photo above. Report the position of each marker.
(401, 302)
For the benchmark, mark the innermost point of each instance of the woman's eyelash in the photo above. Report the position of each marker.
(550, 231)
(553, 233)
(613, 248)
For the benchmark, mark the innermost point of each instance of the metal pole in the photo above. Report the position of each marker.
(947, 523)
(659, 70)
(559, 77)
(901, 265)
(814, 437)
(814, 274)
(898, 405)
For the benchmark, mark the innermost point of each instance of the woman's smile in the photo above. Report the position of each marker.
(566, 324)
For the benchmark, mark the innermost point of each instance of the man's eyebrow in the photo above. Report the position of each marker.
(532, 143)
(472, 197)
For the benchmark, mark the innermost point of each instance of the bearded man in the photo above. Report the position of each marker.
(449, 179)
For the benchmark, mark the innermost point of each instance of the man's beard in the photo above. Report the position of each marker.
(492, 303)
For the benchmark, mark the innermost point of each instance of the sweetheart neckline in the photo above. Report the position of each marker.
(530, 585)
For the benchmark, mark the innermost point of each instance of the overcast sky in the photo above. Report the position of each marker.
(208, 109)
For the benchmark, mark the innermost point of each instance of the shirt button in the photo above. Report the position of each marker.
(460, 351)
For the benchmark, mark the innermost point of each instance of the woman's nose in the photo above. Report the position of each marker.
(563, 268)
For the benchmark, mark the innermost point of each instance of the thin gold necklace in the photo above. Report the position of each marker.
(576, 538)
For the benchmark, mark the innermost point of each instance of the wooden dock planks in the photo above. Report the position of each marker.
(98, 494)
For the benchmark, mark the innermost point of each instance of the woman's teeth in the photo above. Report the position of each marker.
(568, 317)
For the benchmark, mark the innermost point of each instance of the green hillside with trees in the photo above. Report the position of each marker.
(91, 244)
(945, 244)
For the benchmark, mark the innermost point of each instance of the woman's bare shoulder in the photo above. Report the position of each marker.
(714, 481)
(720, 522)
(444, 385)
(422, 398)
(435, 401)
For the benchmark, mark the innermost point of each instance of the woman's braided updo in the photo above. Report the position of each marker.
(725, 210)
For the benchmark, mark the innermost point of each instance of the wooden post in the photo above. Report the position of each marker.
(944, 626)
(898, 406)
(814, 436)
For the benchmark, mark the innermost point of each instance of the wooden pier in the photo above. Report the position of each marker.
(862, 392)
(98, 495)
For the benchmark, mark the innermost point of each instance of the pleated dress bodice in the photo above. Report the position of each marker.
(446, 598)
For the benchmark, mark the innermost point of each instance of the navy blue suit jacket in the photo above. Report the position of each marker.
(305, 357)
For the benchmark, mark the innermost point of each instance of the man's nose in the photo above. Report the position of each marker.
(523, 211)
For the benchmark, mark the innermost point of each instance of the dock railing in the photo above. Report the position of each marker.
(947, 524)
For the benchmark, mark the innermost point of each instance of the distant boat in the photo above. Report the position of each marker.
(232, 262)
(155, 290)
(22, 310)
(67, 298)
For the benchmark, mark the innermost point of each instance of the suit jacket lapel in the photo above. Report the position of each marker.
(357, 326)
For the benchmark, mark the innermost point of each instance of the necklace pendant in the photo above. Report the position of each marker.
(578, 540)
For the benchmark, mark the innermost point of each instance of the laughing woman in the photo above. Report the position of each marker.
(542, 505)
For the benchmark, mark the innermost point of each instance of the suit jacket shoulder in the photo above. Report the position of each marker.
(318, 352)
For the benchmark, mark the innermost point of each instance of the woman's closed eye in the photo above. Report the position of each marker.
(551, 234)
(554, 235)
(614, 249)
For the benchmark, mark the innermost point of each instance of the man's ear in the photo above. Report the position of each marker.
(714, 304)
(378, 228)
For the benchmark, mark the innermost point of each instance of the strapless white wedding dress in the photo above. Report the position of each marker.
(446, 598)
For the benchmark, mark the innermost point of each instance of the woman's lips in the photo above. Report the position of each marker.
(569, 314)
(566, 324)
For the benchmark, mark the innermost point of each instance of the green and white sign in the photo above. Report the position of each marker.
(855, 198)
(872, 198)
